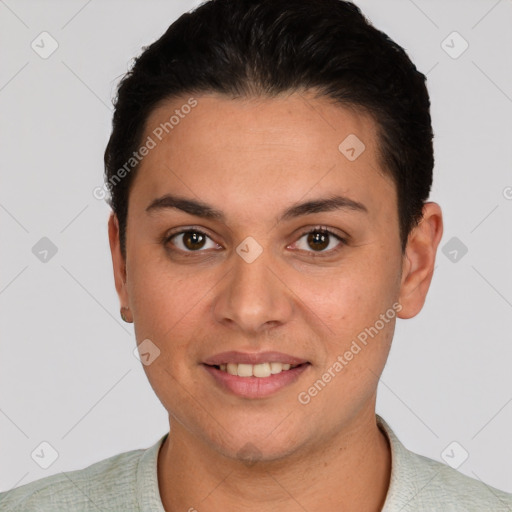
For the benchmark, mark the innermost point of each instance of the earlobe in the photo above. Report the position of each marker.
(419, 260)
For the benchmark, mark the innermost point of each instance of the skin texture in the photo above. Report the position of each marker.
(252, 159)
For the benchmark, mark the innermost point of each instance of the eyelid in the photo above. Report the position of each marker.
(319, 227)
(178, 231)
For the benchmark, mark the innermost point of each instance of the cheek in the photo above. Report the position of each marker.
(356, 292)
(166, 311)
(163, 298)
(361, 316)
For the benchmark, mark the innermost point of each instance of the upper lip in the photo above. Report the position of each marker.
(252, 358)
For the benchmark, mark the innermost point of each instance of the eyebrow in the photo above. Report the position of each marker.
(201, 209)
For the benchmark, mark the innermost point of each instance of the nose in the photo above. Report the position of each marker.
(253, 298)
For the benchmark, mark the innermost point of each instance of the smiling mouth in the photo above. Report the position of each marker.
(261, 370)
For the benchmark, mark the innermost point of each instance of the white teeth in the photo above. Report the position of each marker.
(254, 370)
(261, 370)
(232, 368)
(245, 370)
(276, 367)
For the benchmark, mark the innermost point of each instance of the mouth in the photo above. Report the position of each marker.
(254, 375)
(261, 370)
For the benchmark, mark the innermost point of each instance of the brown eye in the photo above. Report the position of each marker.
(191, 241)
(318, 240)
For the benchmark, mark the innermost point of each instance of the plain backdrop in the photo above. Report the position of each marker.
(68, 376)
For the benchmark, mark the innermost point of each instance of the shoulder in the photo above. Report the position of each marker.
(109, 482)
(419, 483)
(443, 486)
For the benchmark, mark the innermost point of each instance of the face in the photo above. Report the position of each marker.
(277, 246)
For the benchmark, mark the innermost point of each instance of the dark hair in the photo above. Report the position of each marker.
(244, 48)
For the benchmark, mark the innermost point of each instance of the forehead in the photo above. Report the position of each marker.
(281, 147)
(298, 120)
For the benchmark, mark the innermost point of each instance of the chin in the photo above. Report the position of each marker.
(251, 447)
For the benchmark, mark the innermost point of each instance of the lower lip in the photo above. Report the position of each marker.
(255, 387)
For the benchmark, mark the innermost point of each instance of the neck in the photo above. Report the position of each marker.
(349, 470)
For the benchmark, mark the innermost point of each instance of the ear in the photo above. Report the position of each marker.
(118, 263)
(419, 259)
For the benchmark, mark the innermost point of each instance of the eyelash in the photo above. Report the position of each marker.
(318, 229)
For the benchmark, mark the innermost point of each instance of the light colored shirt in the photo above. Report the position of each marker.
(128, 482)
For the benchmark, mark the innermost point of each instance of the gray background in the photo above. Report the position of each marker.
(68, 375)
